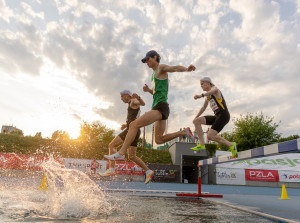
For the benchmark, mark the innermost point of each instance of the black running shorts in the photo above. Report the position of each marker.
(218, 121)
(135, 141)
(163, 108)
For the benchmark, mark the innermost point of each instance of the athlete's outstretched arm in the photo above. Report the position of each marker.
(167, 68)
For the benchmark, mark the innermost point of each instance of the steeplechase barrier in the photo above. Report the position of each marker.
(273, 149)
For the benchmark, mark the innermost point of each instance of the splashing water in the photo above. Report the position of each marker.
(70, 194)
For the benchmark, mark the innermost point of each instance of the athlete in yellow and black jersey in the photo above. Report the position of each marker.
(214, 97)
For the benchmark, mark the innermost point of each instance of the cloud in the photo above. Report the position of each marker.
(17, 57)
(249, 49)
(30, 12)
(5, 12)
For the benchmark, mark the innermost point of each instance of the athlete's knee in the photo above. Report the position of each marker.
(198, 121)
(210, 136)
(110, 145)
(133, 124)
(132, 157)
(159, 140)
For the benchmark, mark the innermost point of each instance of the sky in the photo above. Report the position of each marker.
(65, 62)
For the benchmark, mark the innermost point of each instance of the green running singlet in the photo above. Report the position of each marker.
(160, 89)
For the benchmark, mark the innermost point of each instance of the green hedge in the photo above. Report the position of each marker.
(29, 145)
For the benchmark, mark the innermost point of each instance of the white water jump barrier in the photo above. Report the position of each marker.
(274, 149)
(278, 148)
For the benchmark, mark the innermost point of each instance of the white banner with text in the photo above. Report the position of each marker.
(230, 176)
(289, 161)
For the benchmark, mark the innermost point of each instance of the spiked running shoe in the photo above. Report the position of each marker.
(149, 177)
(233, 149)
(198, 147)
(107, 173)
(189, 134)
(115, 156)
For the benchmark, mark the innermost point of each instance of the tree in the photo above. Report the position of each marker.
(94, 139)
(59, 135)
(17, 132)
(38, 135)
(252, 131)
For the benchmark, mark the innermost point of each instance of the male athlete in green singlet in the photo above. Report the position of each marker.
(160, 107)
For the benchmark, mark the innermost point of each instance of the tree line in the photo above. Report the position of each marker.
(92, 143)
(249, 131)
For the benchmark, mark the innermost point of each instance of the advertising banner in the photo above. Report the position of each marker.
(128, 168)
(165, 173)
(289, 176)
(290, 161)
(84, 165)
(230, 176)
(21, 162)
(262, 175)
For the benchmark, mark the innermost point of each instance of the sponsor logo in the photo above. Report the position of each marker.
(161, 173)
(172, 172)
(2, 159)
(124, 168)
(280, 162)
(262, 175)
(225, 175)
(296, 176)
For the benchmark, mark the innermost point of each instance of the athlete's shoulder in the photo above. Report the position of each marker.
(162, 70)
(134, 103)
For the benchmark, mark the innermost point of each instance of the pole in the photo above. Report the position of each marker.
(199, 180)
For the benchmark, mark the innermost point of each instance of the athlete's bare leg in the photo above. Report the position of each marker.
(159, 130)
(146, 119)
(113, 145)
(213, 135)
(198, 122)
(132, 156)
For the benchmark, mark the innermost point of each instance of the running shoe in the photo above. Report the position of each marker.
(233, 149)
(198, 147)
(189, 134)
(107, 173)
(115, 156)
(149, 177)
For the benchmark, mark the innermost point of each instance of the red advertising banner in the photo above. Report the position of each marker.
(23, 162)
(126, 168)
(262, 175)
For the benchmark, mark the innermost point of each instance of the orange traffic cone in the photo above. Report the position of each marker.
(283, 193)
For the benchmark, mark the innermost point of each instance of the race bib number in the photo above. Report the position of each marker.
(213, 105)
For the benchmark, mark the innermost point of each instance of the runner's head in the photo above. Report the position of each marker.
(206, 83)
(126, 96)
(151, 57)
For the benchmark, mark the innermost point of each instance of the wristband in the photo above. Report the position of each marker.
(202, 95)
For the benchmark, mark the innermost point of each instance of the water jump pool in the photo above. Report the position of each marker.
(72, 196)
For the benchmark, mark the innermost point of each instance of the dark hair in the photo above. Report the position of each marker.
(157, 58)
